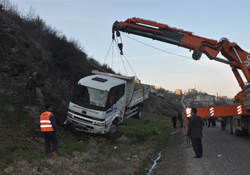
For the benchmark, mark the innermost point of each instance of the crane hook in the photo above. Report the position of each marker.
(120, 46)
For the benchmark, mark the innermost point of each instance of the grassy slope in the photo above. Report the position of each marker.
(20, 141)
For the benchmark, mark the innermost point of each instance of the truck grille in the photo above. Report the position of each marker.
(86, 116)
(85, 127)
(81, 120)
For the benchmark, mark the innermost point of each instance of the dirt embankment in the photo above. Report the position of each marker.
(99, 158)
(102, 155)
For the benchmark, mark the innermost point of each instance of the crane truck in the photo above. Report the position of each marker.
(102, 101)
(236, 115)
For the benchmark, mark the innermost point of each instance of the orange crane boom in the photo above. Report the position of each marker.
(236, 57)
(237, 115)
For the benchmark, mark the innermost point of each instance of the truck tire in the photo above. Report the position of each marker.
(236, 132)
(113, 129)
(139, 112)
(230, 125)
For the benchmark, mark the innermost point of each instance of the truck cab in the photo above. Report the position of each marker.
(99, 102)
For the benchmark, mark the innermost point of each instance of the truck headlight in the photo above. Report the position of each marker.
(99, 123)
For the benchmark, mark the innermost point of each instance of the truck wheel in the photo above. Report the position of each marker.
(229, 125)
(139, 112)
(236, 132)
(113, 128)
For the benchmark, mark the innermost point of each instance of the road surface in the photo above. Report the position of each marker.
(223, 154)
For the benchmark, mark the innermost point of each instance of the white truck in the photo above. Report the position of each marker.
(101, 101)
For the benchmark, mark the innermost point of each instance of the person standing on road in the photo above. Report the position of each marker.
(31, 85)
(49, 129)
(205, 122)
(180, 120)
(174, 118)
(213, 122)
(195, 132)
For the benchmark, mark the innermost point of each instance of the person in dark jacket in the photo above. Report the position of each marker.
(213, 122)
(174, 118)
(180, 120)
(49, 129)
(195, 132)
(31, 85)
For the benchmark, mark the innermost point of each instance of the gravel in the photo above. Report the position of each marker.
(223, 154)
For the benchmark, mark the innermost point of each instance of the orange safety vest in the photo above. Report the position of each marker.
(45, 123)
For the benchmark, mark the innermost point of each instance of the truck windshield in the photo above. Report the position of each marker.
(90, 97)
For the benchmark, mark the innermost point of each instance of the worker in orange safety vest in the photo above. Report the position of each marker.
(49, 129)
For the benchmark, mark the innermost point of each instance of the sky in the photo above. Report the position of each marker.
(153, 62)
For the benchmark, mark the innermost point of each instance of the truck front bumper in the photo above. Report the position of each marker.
(87, 125)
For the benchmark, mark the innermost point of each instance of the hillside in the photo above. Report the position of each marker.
(27, 45)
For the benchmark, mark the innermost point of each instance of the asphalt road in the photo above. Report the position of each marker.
(223, 154)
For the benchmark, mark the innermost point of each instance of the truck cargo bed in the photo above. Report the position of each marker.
(139, 96)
